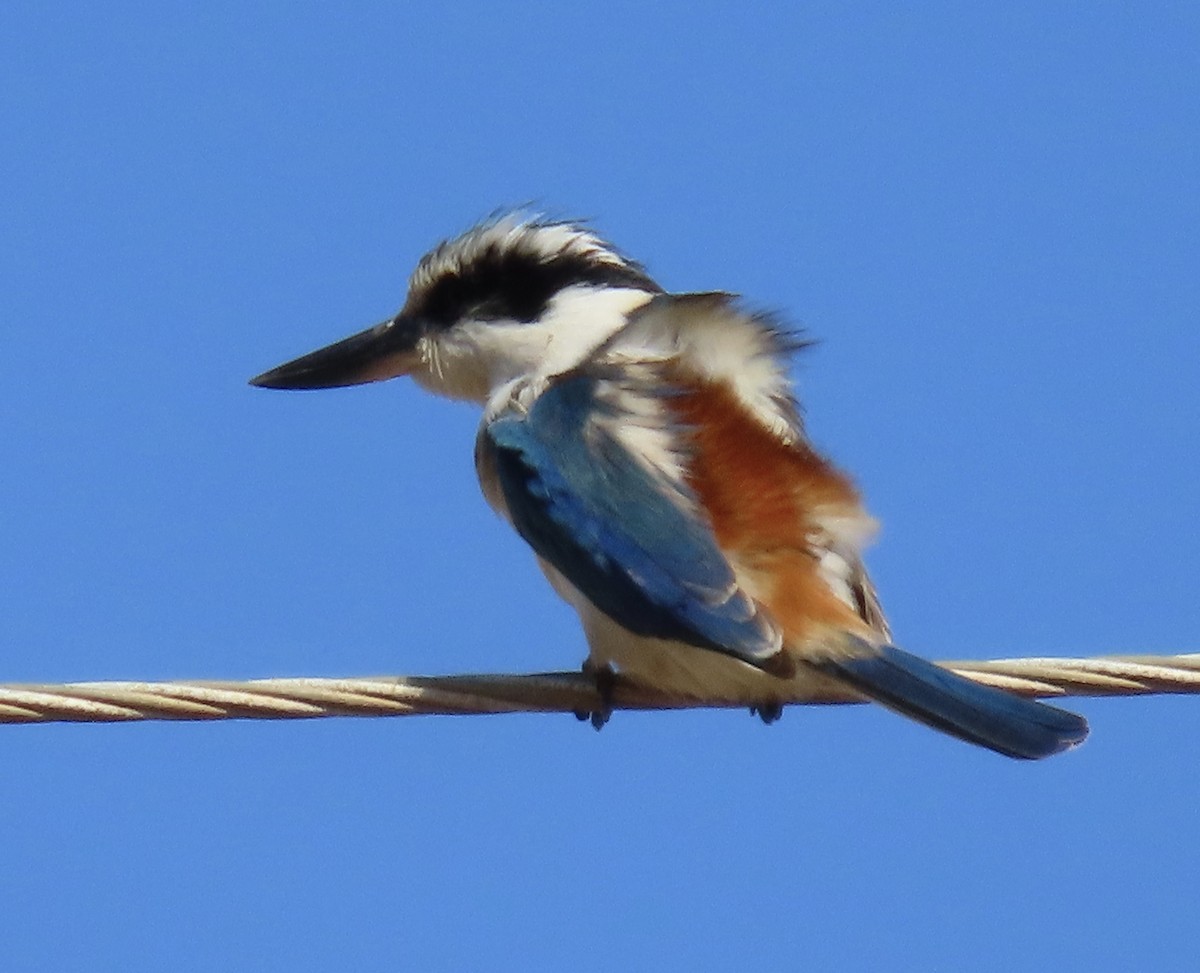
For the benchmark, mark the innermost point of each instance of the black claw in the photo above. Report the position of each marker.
(767, 712)
(605, 680)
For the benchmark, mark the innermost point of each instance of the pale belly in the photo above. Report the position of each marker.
(681, 670)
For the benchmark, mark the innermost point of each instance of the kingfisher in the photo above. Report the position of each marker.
(650, 448)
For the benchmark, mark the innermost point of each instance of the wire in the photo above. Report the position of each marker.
(307, 698)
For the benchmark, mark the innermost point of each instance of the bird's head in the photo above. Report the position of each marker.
(513, 296)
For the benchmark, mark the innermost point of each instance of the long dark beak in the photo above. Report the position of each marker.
(384, 351)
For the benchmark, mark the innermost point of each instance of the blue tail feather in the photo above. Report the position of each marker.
(989, 717)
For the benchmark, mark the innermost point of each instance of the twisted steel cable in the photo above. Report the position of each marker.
(569, 692)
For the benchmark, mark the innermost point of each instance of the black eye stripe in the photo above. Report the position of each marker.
(517, 285)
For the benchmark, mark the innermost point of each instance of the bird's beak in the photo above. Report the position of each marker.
(384, 351)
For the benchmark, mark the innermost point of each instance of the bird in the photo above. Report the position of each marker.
(649, 447)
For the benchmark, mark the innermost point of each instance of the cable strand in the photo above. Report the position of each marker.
(551, 692)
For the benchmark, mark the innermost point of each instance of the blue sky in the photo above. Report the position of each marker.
(988, 215)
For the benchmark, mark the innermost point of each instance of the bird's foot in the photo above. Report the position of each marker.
(605, 680)
(767, 712)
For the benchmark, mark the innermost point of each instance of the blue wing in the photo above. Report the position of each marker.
(623, 532)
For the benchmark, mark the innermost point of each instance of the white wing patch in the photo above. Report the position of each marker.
(633, 414)
(710, 336)
(837, 540)
(630, 411)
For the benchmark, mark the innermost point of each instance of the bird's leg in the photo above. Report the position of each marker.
(605, 679)
(767, 712)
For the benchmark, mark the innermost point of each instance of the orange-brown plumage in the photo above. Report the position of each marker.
(766, 500)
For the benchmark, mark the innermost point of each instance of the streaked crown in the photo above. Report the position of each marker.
(510, 268)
